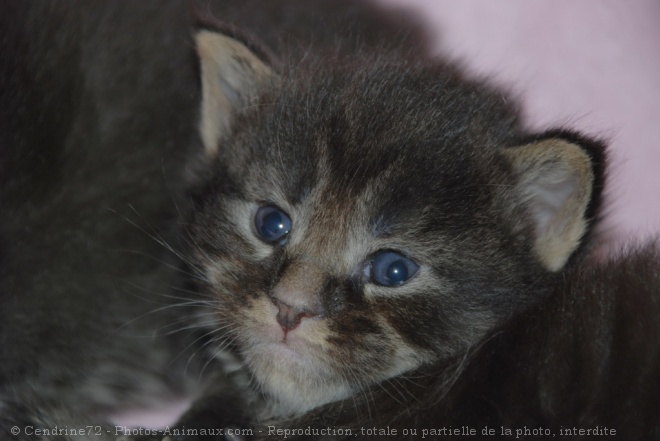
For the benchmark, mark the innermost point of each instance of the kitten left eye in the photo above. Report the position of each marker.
(390, 269)
(272, 224)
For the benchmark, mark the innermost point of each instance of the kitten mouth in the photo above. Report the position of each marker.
(285, 347)
(293, 352)
(294, 339)
(295, 371)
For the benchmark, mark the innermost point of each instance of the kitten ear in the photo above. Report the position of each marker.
(557, 180)
(231, 73)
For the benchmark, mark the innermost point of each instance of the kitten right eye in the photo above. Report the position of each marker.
(390, 269)
(272, 224)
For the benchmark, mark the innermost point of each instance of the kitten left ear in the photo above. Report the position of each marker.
(557, 180)
(231, 73)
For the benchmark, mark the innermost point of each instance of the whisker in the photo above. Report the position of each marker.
(146, 314)
(154, 236)
(198, 274)
(159, 294)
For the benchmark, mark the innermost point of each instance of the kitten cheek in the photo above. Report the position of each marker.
(219, 272)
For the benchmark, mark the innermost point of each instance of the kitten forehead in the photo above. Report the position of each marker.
(397, 149)
(363, 121)
(332, 228)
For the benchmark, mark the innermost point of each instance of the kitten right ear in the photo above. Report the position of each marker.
(231, 74)
(559, 182)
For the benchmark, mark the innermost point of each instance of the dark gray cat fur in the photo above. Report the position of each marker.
(334, 112)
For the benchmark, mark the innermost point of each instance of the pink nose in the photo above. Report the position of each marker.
(289, 317)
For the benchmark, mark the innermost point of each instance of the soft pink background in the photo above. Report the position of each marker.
(593, 65)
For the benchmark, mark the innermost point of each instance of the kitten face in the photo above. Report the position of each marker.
(358, 165)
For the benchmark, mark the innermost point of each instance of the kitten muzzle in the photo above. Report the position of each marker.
(289, 317)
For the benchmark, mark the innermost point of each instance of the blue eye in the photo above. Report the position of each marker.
(391, 269)
(272, 224)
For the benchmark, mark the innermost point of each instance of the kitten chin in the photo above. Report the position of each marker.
(293, 383)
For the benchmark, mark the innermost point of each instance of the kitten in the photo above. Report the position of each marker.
(386, 246)
(378, 239)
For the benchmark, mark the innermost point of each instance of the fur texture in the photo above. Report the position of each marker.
(332, 113)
